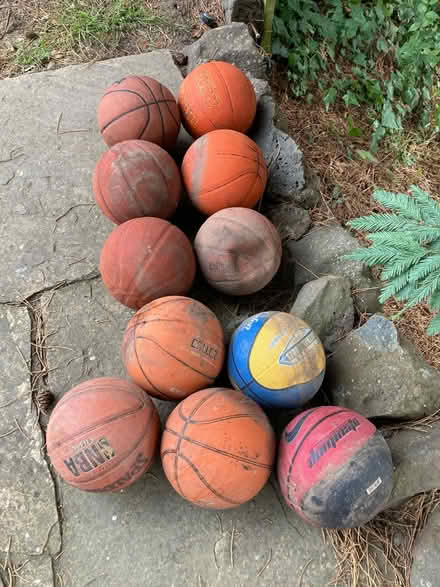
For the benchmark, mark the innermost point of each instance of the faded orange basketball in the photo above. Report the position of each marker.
(239, 250)
(218, 448)
(103, 434)
(216, 95)
(139, 107)
(222, 169)
(173, 347)
(146, 258)
(135, 179)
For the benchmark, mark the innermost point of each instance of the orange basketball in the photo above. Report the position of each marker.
(222, 169)
(239, 250)
(135, 179)
(173, 347)
(139, 107)
(103, 434)
(146, 258)
(216, 95)
(218, 448)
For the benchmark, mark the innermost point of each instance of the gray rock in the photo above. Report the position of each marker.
(28, 512)
(243, 10)
(322, 252)
(416, 460)
(327, 306)
(232, 43)
(48, 211)
(292, 222)
(377, 372)
(309, 196)
(425, 566)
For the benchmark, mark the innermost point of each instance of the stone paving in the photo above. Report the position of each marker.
(51, 235)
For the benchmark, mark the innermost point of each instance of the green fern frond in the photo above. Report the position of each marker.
(425, 288)
(371, 256)
(430, 208)
(434, 302)
(393, 287)
(398, 240)
(434, 326)
(381, 222)
(404, 293)
(401, 203)
(399, 266)
(424, 267)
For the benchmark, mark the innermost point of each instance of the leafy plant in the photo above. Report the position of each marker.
(34, 55)
(379, 54)
(406, 244)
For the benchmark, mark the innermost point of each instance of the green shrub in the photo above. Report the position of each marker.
(379, 55)
(407, 246)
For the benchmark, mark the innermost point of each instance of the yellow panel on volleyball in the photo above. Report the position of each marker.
(285, 352)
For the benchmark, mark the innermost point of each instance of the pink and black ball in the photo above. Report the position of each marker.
(334, 467)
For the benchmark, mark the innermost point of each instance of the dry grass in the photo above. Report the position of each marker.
(379, 554)
(348, 181)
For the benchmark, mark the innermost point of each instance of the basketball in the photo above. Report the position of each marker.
(135, 179)
(276, 359)
(173, 347)
(144, 259)
(334, 468)
(218, 448)
(139, 107)
(222, 169)
(103, 434)
(216, 95)
(239, 250)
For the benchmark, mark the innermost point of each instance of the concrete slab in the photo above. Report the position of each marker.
(147, 534)
(50, 229)
(28, 513)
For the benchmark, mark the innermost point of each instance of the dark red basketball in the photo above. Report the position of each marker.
(139, 107)
(146, 258)
(103, 434)
(334, 467)
(135, 179)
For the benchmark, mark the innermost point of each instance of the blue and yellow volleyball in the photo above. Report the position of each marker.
(276, 359)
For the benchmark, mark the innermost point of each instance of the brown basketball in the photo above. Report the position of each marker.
(146, 258)
(218, 448)
(103, 434)
(135, 179)
(239, 250)
(224, 168)
(173, 347)
(216, 95)
(139, 107)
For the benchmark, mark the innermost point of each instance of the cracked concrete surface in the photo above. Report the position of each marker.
(51, 234)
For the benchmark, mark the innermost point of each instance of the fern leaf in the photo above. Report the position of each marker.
(393, 287)
(398, 240)
(430, 208)
(434, 326)
(425, 289)
(405, 293)
(434, 302)
(426, 266)
(371, 256)
(402, 203)
(381, 222)
(400, 266)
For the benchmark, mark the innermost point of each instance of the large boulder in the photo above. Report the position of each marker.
(323, 252)
(416, 460)
(425, 567)
(327, 306)
(232, 43)
(379, 373)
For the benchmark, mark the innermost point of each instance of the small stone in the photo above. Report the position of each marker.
(408, 388)
(291, 222)
(323, 251)
(327, 306)
(180, 59)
